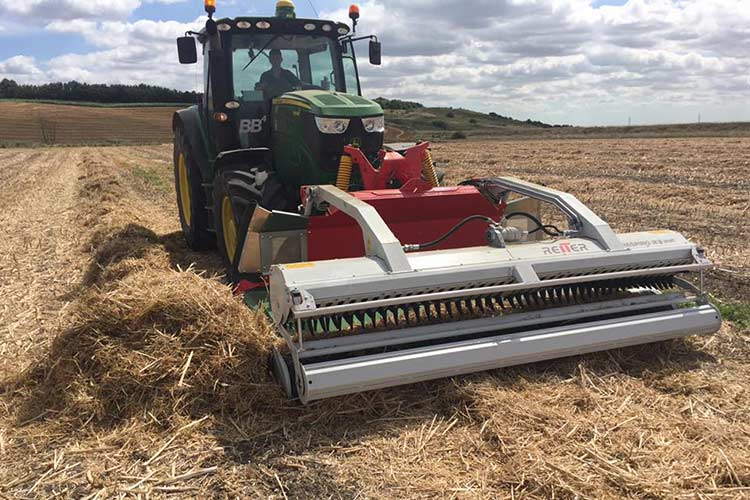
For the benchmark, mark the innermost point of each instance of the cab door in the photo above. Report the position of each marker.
(254, 114)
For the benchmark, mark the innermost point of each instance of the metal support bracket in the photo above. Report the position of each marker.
(379, 240)
(586, 223)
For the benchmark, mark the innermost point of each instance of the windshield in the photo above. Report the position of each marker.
(266, 66)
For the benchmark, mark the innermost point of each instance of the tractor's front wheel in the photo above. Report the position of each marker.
(236, 194)
(191, 197)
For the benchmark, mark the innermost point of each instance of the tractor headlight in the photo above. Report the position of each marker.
(374, 124)
(332, 125)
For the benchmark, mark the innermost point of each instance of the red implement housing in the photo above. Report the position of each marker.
(416, 213)
(393, 166)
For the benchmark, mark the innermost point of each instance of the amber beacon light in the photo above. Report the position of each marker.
(354, 12)
(354, 15)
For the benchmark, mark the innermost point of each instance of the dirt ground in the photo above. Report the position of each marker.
(126, 370)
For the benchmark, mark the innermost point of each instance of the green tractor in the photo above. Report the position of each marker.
(282, 99)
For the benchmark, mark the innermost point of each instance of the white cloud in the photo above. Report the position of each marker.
(140, 52)
(22, 68)
(109, 34)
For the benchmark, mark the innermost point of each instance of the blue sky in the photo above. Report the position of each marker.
(562, 61)
(599, 3)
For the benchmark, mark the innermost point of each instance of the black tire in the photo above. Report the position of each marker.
(236, 194)
(282, 370)
(194, 216)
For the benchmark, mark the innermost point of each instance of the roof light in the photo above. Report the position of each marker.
(210, 6)
(244, 25)
(233, 105)
(224, 27)
(310, 27)
(327, 28)
(285, 9)
(263, 25)
(343, 30)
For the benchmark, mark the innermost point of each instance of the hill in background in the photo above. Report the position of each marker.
(411, 120)
(24, 123)
(408, 121)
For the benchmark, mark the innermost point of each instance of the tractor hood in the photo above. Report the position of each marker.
(332, 104)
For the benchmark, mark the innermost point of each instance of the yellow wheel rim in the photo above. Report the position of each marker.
(187, 213)
(228, 227)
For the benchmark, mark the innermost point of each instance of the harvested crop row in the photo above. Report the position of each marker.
(141, 338)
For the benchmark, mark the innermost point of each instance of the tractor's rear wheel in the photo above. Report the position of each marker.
(191, 197)
(236, 194)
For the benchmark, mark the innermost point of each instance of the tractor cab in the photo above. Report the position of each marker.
(266, 64)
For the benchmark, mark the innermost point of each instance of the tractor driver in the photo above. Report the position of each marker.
(277, 80)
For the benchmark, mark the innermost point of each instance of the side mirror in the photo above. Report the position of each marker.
(186, 50)
(375, 53)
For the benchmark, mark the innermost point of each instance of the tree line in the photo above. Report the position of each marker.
(99, 93)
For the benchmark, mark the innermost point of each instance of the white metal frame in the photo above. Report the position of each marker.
(379, 239)
(388, 276)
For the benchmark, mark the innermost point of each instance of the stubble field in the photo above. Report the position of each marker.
(30, 123)
(128, 370)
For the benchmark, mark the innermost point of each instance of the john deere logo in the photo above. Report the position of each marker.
(357, 142)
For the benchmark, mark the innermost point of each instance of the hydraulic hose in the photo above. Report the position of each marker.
(549, 230)
(431, 244)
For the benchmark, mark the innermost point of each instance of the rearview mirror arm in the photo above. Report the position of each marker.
(352, 39)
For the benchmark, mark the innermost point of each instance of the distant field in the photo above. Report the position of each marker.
(88, 104)
(47, 123)
(52, 124)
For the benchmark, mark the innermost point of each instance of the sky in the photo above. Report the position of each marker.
(580, 62)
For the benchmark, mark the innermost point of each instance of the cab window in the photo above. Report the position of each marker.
(350, 74)
(307, 62)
